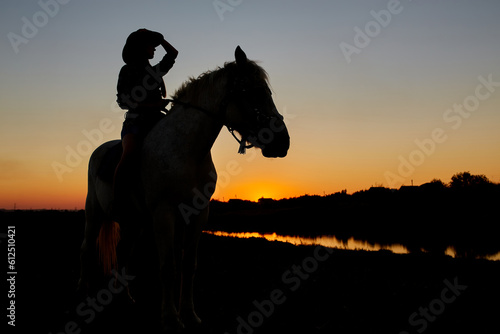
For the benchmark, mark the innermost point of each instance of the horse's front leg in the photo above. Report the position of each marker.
(189, 263)
(164, 230)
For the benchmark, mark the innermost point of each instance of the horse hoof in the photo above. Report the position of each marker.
(191, 320)
(173, 326)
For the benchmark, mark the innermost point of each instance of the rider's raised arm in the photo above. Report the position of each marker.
(169, 48)
(169, 59)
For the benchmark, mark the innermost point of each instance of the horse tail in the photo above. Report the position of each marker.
(108, 238)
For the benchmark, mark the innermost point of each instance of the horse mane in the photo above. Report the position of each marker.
(214, 81)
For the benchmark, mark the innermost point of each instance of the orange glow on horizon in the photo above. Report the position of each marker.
(39, 188)
(45, 193)
(252, 191)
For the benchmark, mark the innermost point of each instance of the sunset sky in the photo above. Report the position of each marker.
(373, 92)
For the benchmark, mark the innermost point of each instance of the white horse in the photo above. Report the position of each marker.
(176, 169)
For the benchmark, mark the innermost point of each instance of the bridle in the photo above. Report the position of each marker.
(237, 90)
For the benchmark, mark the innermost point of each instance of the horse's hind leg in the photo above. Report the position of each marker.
(130, 234)
(94, 217)
(164, 230)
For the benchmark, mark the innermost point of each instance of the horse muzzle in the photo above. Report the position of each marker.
(274, 140)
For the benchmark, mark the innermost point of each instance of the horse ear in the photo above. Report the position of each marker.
(241, 57)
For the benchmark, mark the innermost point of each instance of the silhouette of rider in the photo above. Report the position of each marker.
(140, 91)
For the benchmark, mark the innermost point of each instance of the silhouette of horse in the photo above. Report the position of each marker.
(177, 176)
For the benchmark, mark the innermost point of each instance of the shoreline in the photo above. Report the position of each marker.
(331, 241)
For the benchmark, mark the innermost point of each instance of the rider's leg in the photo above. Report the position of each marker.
(125, 168)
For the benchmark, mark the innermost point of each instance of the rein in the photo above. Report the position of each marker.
(242, 141)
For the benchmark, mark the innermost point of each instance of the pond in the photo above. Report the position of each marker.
(331, 242)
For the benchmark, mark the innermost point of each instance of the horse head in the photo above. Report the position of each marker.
(251, 110)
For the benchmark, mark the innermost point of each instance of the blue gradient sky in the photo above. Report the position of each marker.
(352, 124)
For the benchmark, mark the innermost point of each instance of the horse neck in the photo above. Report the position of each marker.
(204, 130)
(204, 109)
(193, 124)
(208, 93)
(188, 133)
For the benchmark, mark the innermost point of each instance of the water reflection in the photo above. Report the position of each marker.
(324, 240)
(453, 253)
(331, 242)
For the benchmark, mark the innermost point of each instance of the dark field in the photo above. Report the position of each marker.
(255, 286)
